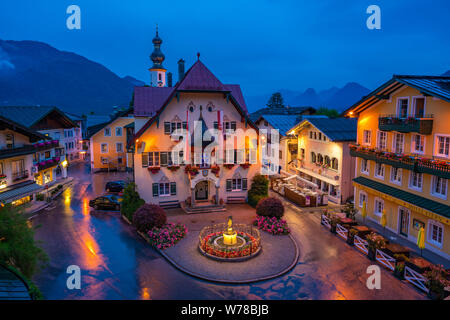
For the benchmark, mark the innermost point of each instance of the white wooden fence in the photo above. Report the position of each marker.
(361, 244)
(326, 221)
(341, 231)
(416, 279)
(385, 259)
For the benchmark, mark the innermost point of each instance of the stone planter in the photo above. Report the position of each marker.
(399, 273)
(350, 239)
(371, 253)
(333, 228)
(434, 295)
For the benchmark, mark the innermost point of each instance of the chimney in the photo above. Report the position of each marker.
(169, 79)
(180, 69)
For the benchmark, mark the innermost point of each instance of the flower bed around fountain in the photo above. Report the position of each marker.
(212, 243)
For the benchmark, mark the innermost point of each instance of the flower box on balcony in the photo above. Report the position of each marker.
(2, 176)
(153, 170)
(245, 165)
(191, 170)
(228, 165)
(215, 170)
(173, 168)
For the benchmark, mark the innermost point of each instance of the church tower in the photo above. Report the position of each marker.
(157, 71)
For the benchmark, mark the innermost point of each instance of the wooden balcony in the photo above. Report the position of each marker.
(423, 125)
(416, 164)
(14, 152)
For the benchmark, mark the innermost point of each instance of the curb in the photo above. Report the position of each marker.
(199, 276)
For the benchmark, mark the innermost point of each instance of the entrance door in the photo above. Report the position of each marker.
(201, 190)
(404, 221)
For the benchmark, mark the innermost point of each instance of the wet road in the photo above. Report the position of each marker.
(116, 264)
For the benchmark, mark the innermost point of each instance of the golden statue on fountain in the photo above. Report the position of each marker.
(230, 236)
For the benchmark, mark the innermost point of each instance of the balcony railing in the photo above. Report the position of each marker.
(410, 162)
(39, 146)
(422, 125)
(20, 175)
(13, 152)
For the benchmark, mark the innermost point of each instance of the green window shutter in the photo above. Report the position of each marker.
(144, 159)
(173, 188)
(244, 184)
(167, 128)
(228, 185)
(155, 190)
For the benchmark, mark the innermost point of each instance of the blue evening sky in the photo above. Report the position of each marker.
(263, 45)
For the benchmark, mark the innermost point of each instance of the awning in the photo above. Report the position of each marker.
(312, 184)
(19, 191)
(319, 176)
(430, 208)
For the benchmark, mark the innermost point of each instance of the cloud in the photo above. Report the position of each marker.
(5, 63)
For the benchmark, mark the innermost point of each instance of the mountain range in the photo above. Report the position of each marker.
(334, 97)
(35, 73)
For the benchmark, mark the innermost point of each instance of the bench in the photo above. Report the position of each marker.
(236, 199)
(169, 204)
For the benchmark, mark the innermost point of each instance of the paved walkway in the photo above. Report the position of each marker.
(12, 287)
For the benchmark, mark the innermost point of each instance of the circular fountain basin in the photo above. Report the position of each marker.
(212, 245)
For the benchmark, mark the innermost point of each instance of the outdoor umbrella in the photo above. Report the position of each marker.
(421, 240)
(383, 220)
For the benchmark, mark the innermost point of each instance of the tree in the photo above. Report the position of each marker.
(258, 190)
(275, 101)
(131, 201)
(17, 245)
(149, 216)
(330, 113)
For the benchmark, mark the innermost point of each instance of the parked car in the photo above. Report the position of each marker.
(106, 202)
(115, 186)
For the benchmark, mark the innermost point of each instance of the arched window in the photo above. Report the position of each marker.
(327, 161)
(319, 158)
(313, 157)
(334, 164)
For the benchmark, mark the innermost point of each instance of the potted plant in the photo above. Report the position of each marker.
(188, 201)
(334, 220)
(399, 269)
(436, 282)
(374, 241)
(351, 236)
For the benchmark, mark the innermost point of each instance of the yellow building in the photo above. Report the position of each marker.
(108, 143)
(403, 157)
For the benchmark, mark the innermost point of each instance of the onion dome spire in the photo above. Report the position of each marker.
(157, 56)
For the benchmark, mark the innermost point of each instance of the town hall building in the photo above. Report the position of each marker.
(200, 174)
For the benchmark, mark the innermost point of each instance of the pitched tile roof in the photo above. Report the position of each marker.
(30, 115)
(199, 78)
(236, 92)
(148, 100)
(437, 86)
(409, 197)
(90, 131)
(287, 110)
(281, 122)
(336, 129)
